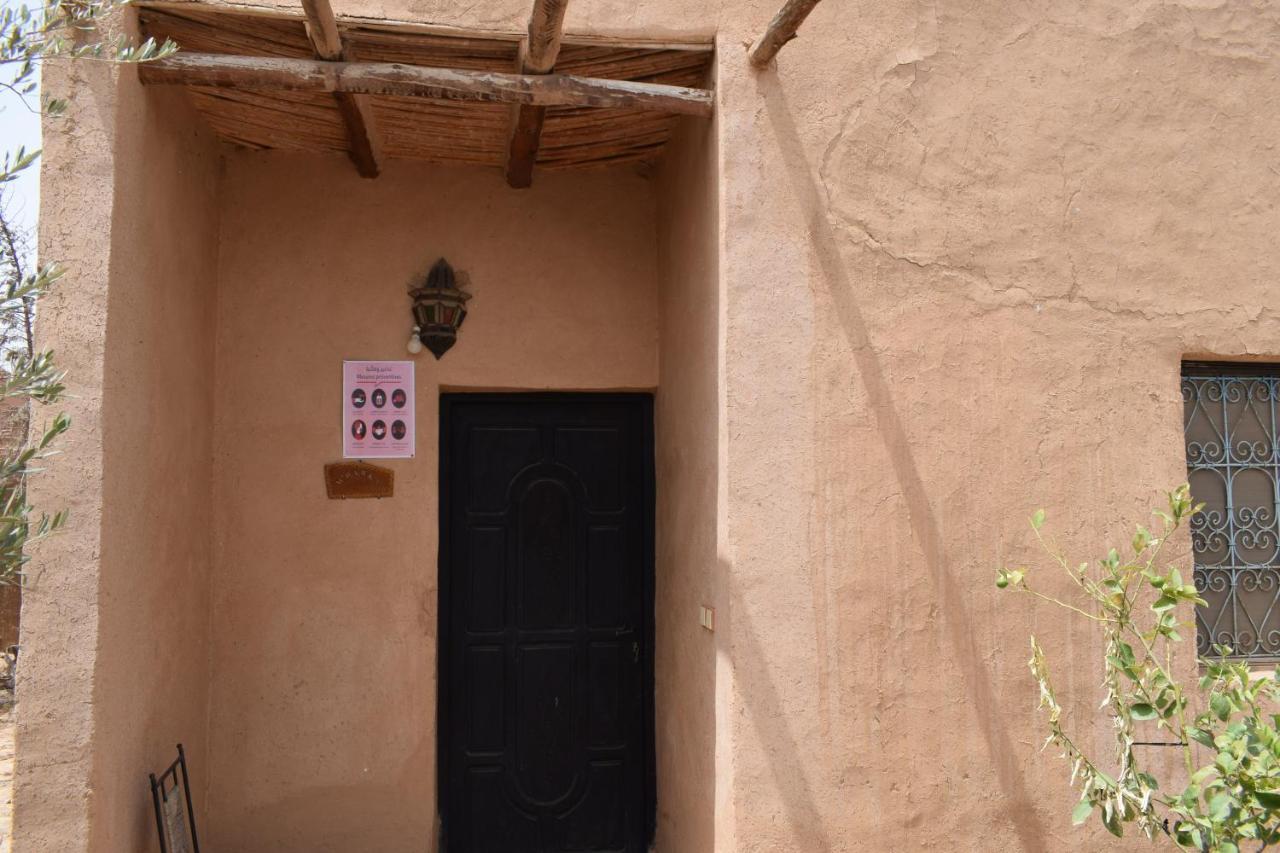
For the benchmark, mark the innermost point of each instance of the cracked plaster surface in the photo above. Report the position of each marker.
(1014, 155)
(963, 248)
(966, 247)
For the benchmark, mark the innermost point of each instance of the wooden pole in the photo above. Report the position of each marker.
(356, 110)
(781, 30)
(546, 25)
(322, 30)
(416, 81)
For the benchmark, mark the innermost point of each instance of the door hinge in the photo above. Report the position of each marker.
(635, 652)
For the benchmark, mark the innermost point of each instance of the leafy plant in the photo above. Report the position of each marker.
(1226, 727)
(60, 28)
(29, 378)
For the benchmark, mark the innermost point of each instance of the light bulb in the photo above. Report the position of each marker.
(415, 343)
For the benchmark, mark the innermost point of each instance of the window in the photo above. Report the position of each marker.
(1231, 412)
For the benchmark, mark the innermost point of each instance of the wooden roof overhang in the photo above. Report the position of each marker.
(376, 89)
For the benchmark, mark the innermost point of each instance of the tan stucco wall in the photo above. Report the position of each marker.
(687, 461)
(965, 248)
(157, 429)
(324, 662)
(114, 659)
(961, 250)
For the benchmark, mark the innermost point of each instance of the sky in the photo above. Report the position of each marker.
(20, 125)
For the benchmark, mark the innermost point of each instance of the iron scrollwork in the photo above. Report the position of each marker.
(1233, 463)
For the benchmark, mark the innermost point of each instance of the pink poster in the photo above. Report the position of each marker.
(377, 410)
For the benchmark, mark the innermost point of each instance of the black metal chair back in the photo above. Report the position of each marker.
(175, 818)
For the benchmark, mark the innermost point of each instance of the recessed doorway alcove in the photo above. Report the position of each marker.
(312, 676)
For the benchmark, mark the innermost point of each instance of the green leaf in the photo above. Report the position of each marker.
(1221, 706)
(1111, 821)
(1164, 603)
(1037, 520)
(1268, 799)
(1081, 812)
(1143, 711)
(1220, 806)
(1007, 577)
(1201, 737)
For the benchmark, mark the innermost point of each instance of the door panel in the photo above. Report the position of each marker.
(546, 620)
(486, 581)
(548, 570)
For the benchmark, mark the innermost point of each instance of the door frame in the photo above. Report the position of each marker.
(643, 400)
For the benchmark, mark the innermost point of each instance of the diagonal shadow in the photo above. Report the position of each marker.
(765, 709)
(954, 610)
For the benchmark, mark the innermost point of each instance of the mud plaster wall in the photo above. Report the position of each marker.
(130, 208)
(966, 247)
(687, 462)
(153, 606)
(324, 666)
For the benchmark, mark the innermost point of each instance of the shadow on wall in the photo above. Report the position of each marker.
(765, 708)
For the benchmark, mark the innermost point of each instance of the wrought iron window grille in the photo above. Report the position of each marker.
(1231, 418)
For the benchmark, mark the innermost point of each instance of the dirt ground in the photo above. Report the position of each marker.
(6, 776)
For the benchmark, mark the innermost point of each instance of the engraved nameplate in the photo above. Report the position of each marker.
(358, 480)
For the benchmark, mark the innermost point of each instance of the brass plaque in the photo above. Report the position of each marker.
(358, 480)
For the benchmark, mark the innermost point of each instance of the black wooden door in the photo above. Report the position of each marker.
(546, 623)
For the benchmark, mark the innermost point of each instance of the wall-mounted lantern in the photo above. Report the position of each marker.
(439, 307)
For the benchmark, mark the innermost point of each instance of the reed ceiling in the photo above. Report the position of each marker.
(448, 132)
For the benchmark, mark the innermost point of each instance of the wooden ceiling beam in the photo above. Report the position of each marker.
(362, 140)
(781, 30)
(417, 81)
(356, 110)
(538, 56)
(523, 144)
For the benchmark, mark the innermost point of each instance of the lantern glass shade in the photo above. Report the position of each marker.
(439, 307)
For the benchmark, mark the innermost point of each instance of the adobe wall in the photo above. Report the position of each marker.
(688, 464)
(152, 687)
(113, 670)
(963, 249)
(322, 722)
(966, 247)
